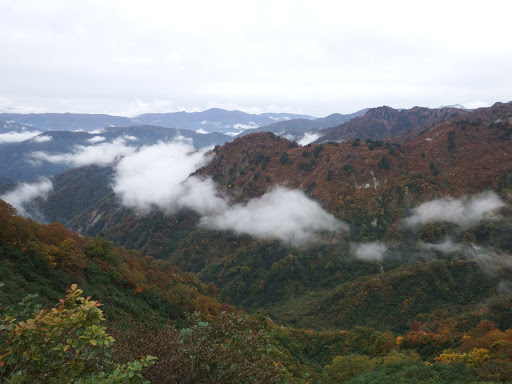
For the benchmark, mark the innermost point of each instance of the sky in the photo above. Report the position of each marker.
(313, 57)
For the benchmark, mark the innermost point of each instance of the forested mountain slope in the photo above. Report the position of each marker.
(373, 186)
(415, 269)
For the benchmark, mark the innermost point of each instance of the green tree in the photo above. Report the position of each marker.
(65, 344)
(383, 163)
(343, 368)
(224, 349)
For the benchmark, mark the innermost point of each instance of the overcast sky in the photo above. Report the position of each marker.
(315, 57)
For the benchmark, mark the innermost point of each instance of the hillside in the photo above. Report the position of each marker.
(372, 186)
(385, 122)
(417, 261)
(294, 129)
(211, 120)
(53, 152)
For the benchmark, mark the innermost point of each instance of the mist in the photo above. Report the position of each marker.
(101, 154)
(463, 212)
(369, 251)
(284, 214)
(308, 138)
(488, 258)
(42, 139)
(155, 177)
(24, 193)
(447, 246)
(17, 137)
(96, 139)
(158, 177)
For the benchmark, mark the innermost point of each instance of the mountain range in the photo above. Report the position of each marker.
(387, 236)
(211, 120)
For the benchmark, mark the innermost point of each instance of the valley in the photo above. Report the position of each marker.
(382, 248)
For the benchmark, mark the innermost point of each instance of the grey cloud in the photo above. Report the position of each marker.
(17, 137)
(26, 192)
(155, 176)
(42, 139)
(100, 154)
(158, 176)
(447, 246)
(308, 138)
(369, 251)
(488, 258)
(283, 214)
(96, 139)
(462, 212)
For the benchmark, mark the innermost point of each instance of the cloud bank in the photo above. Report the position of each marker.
(96, 139)
(155, 176)
(24, 193)
(447, 246)
(488, 258)
(369, 251)
(158, 176)
(308, 138)
(101, 154)
(17, 137)
(42, 139)
(282, 213)
(462, 212)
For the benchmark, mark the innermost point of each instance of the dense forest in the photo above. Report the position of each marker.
(410, 285)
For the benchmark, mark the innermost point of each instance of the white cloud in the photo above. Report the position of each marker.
(283, 214)
(462, 212)
(201, 196)
(96, 139)
(101, 154)
(233, 133)
(201, 131)
(153, 176)
(251, 125)
(447, 246)
(25, 193)
(42, 139)
(50, 55)
(17, 137)
(308, 138)
(159, 176)
(369, 251)
(139, 107)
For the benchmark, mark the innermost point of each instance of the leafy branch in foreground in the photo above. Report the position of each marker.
(65, 344)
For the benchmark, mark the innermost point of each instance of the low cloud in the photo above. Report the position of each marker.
(504, 288)
(447, 246)
(96, 139)
(42, 139)
(462, 212)
(283, 214)
(158, 176)
(308, 138)
(24, 193)
(369, 251)
(154, 175)
(488, 258)
(251, 125)
(101, 154)
(17, 137)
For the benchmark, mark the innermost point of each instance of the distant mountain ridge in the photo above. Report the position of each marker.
(296, 128)
(424, 164)
(211, 120)
(386, 122)
(15, 158)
